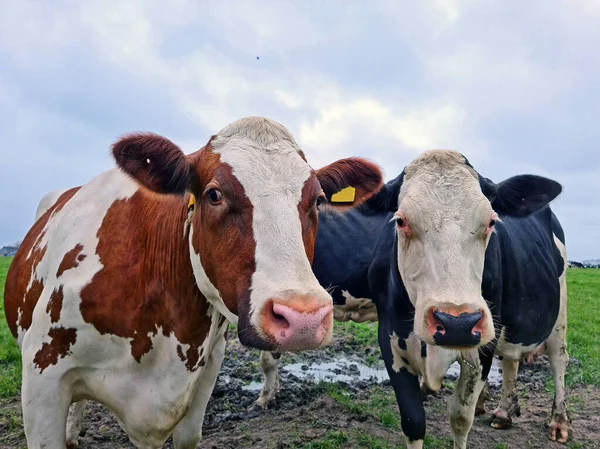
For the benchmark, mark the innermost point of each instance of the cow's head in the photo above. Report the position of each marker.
(445, 214)
(254, 223)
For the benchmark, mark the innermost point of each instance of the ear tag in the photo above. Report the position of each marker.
(191, 203)
(346, 195)
(188, 220)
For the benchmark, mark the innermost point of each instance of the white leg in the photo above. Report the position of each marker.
(418, 444)
(509, 404)
(484, 396)
(556, 347)
(188, 432)
(268, 364)
(45, 404)
(461, 405)
(75, 423)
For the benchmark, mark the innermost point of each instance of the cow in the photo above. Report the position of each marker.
(122, 290)
(458, 268)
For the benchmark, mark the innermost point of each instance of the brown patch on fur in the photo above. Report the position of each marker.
(223, 235)
(363, 175)
(309, 216)
(55, 304)
(70, 260)
(59, 346)
(17, 297)
(31, 297)
(146, 284)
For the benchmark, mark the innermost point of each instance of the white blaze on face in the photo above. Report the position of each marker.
(441, 259)
(264, 159)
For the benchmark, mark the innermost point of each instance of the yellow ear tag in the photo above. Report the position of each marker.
(191, 203)
(346, 195)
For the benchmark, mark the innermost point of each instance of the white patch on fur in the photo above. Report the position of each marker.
(412, 354)
(513, 351)
(358, 310)
(417, 444)
(437, 362)
(264, 158)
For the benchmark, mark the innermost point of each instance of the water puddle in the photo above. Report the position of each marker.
(342, 369)
(351, 371)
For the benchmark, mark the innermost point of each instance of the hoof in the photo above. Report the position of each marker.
(501, 420)
(260, 406)
(559, 431)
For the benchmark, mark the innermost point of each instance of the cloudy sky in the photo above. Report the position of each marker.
(512, 85)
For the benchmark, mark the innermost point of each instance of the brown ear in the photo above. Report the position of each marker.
(362, 175)
(153, 161)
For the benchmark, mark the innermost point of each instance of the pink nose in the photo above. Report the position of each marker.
(298, 324)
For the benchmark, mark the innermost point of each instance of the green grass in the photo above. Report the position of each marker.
(381, 405)
(331, 440)
(583, 317)
(10, 356)
(358, 334)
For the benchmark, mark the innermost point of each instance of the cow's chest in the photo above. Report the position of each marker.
(151, 396)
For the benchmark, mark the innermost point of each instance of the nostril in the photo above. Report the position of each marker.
(279, 320)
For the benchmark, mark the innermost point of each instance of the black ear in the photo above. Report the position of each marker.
(386, 200)
(153, 161)
(520, 195)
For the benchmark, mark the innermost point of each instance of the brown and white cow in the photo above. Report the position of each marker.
(121, 291)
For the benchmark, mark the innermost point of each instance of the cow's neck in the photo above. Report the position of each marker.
(344, 249)
(166, 240)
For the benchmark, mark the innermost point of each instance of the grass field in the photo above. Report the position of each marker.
(377, 404)
(10, 357)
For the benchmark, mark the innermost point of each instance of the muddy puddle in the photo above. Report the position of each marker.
(350, 371)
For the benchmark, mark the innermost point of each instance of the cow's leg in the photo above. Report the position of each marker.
(461, 406)
(406, 388)
(75, 423)
(268, 364)
(45, 402)
(509, 403)
(188, 431)
(486, 358)
(483, 396)
(556, 347)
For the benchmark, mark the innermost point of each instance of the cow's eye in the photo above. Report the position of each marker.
(321, 199)
(215, 196)
(400, 222)
(492, 223)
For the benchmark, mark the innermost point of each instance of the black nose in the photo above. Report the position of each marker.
(456, 330)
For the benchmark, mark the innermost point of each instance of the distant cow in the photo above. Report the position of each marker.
(121, 290)
(458, 268)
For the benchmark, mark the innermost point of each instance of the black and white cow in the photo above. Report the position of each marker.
(458, 268)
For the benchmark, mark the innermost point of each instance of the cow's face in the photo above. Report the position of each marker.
(445, 218)
(253, 229)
